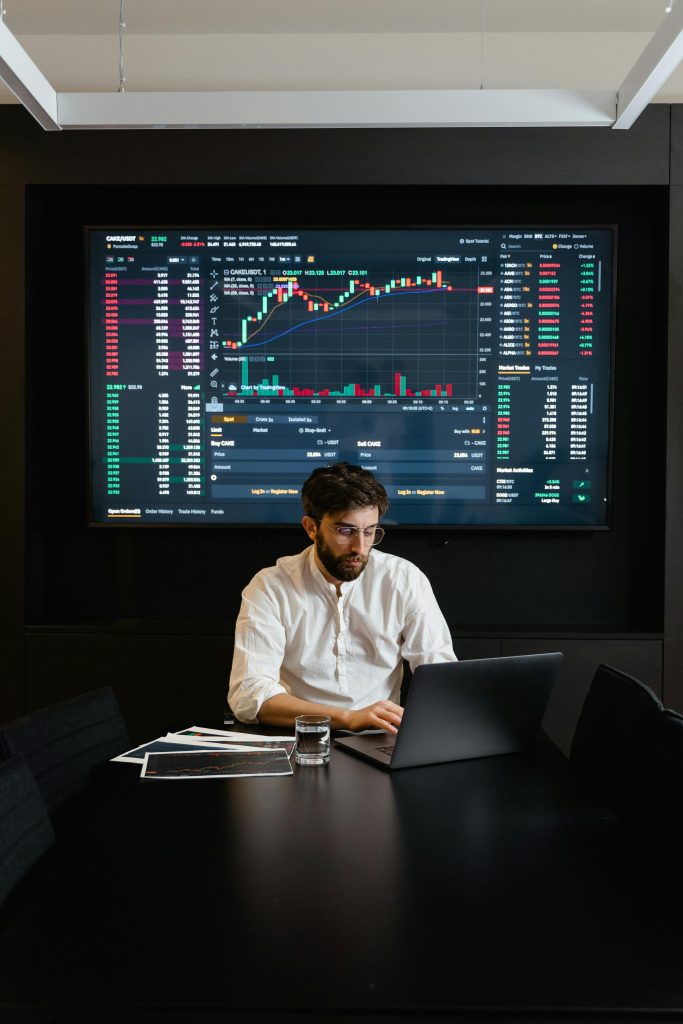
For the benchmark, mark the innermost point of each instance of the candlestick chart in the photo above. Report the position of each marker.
(336, 334)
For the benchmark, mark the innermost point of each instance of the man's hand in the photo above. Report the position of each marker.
(382, 715)
(282, 709)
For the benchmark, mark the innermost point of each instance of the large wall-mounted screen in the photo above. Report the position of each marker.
(468, 367)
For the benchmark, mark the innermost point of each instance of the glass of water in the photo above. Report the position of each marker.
(312, 739)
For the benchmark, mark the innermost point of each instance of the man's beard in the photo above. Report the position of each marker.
(339, 566)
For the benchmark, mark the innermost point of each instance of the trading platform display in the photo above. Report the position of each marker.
(468, 368)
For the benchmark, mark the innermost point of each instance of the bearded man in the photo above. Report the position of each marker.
(326, 632)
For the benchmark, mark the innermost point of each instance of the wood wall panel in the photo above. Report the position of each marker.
(206, 661)
(673, 583)
(145, 673)
(12, 505)
(673, 675)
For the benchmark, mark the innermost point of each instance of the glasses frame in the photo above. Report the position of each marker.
(355, 531)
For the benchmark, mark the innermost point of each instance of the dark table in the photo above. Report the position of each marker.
(469, 891)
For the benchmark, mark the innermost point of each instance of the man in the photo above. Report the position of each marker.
(325, 632)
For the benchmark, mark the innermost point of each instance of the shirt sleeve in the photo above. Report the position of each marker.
(426, 637)
(258, 654)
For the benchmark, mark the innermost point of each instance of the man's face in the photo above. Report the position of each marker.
(342, 558)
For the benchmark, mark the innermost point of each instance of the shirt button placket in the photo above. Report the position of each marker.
(341, 648)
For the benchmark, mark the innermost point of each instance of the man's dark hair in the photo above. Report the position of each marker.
(341, 486)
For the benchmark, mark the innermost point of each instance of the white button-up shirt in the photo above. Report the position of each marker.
(295, 635)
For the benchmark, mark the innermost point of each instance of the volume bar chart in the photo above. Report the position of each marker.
(401, 390)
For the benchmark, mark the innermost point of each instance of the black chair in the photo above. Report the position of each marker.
(65, 743)
(612, 746)
(26, 832)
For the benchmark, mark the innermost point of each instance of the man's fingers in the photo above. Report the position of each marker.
(388, 716)
(384, 714)
(392, 712)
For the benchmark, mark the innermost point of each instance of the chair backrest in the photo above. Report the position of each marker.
(25, 829)
(63, 743)
(611, 749)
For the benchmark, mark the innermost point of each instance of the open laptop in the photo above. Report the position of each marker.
(463, 709)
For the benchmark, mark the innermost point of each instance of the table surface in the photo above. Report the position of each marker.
(344, 893)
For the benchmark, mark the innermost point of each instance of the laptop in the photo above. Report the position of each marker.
(464, 709)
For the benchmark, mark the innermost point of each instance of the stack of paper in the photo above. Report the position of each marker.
(202, 753)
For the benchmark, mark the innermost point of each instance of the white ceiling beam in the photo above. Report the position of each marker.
(339, 109)
(657, 62)
(26, 81)
(495, 108)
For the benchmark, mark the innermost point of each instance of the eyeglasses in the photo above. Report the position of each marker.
(345, 534)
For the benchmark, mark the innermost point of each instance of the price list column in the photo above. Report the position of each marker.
(549, 310)
(503, 422)
(587, 272)
(111, 323)
(180, 325)
(160, 301)
(549, 423)
(177, 329)
(113, 438)
(187, 327)
(163, 455)
(192, 449)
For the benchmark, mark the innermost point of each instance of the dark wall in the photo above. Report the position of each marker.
(151, 611)
(482, 579)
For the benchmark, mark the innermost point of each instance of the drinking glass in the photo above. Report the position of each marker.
(312, 739)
